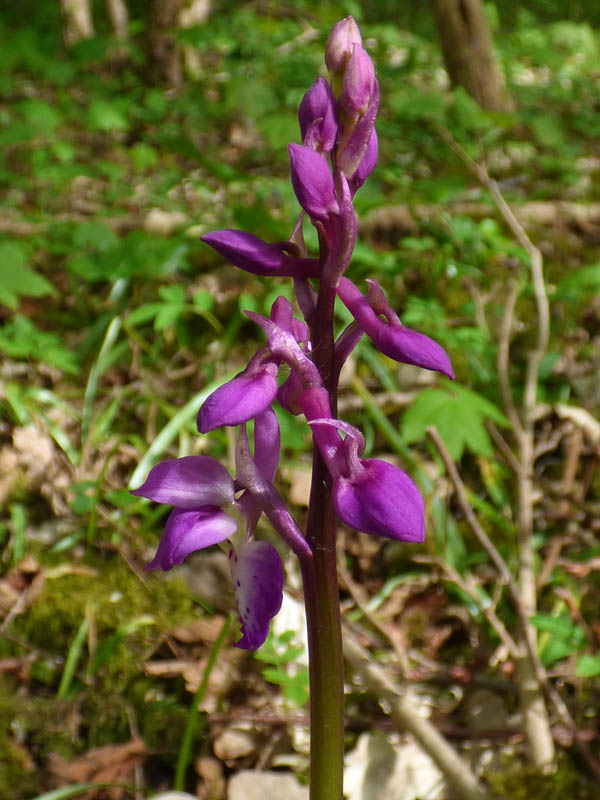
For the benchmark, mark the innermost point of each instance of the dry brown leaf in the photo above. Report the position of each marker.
(9, 462)
(110, 764)
(19, 587)
(299, 480)
(35, 451)
(199, 631)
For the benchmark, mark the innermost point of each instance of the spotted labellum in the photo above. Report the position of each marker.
(298, 367)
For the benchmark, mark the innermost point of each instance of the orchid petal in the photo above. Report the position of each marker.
(381, 500)
(187, 531)
(289, 393)
(267, 442)
(368, 163)
(282, 313)
(355, 147)
(248, 252)
(257, 576)
(241, 399)
(394, 340)
(411, 347)
(188, 482)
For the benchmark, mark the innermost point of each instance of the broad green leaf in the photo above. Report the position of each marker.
(459, 415)
(103, 115)
(19, 338)
(167, 315)
(174, 294)
(203, 300)
(16, 278)
(562, 627)
(554, 650)
(588, 666)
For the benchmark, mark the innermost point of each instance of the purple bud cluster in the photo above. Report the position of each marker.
(337, 154)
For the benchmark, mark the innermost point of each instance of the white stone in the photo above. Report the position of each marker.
(251, 785)
(382, 768)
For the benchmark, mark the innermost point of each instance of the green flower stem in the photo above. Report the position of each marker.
(321, 595)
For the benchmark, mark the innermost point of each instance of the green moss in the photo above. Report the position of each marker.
(113, 597)
(520, 782)
(102, 699)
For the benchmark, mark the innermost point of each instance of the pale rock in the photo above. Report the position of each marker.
(234, 743)
(382, 768)
(162, 222)
(252, 785)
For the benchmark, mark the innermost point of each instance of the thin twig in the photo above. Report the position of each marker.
(502, 445)
(529, 640)
(503, 360)
(471, 591)
(405, 713)
(358, 595)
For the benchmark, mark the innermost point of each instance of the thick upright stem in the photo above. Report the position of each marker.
(321, 597)
(321, 594)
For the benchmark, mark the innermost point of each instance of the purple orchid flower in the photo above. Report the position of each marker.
(369, 495)
(390, 336)
(368, 163)
(251, 254)
(243, 397)
(358, 83)
(206, 513)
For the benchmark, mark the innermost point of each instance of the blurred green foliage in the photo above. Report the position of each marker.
(115, 318)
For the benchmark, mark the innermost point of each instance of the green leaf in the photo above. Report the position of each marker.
(554, 650)
(561, 627)
(175, 294)
(110, 645)
(203, 300)
(581, 279)
(103, 115)
(143, 313)
(72, 659)
(16, 278)
(588, 666)
(19, 338)
(69, 792)
(459, 415)
(143, 156)
(43, 117)
(167, 315)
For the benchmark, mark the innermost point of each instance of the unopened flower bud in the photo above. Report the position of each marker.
(367, 165)
(342, 37)
(318, 117)
(359, 82)
(313, 182)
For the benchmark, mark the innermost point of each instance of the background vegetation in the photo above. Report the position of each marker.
(115, 320)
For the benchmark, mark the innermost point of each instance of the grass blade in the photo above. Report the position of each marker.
(72, 659)
(185, 751)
